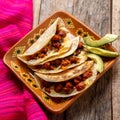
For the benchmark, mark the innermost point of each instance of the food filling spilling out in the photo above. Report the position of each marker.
(63, 62)
(66, 87)
(54, 44)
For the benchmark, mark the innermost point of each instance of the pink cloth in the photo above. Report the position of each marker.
(16, 103)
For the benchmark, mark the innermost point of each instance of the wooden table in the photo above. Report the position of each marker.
(102, 101)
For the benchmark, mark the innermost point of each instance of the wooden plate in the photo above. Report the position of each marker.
(76, 27)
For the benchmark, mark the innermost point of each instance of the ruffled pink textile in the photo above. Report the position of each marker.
(16, 103)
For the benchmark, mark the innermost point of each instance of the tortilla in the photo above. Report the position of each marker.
(75, 42)
(82, 57)
(89, 81)
(67, 74)
(44, 40)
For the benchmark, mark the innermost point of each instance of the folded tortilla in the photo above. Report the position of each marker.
(44, 40)
(67, 74)
(73, 48)
(82, 57)
(89, 81)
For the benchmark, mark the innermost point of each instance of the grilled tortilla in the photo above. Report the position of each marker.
(76, 88)
(73, 48)
(67, 74)
(60, 65)
(35, 54)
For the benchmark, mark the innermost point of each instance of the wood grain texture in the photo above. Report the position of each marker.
(36, 11)
(116, 68)
(50, 6)
(95, 14)
(102, 100)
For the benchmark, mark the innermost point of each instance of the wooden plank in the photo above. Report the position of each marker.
(96, 103)
(50, 6)
(116, 67)
(36, 11)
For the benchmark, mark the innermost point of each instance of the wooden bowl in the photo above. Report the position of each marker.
(76, 27)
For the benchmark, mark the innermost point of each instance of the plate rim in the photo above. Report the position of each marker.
(75, 97)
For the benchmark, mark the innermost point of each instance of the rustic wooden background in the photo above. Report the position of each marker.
(102, 101)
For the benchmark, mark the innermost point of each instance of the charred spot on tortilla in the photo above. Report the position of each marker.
(72, 86)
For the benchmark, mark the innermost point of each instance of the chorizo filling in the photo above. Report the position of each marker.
(64, 62)
(79, 48)
(67, 87)
(58, 63)
(54, 44)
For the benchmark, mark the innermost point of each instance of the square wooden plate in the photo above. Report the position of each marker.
(76, 27)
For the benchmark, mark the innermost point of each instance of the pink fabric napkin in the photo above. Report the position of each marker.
(16, 103)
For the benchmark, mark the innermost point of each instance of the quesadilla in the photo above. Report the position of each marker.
(56, 40)
(71, 87)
